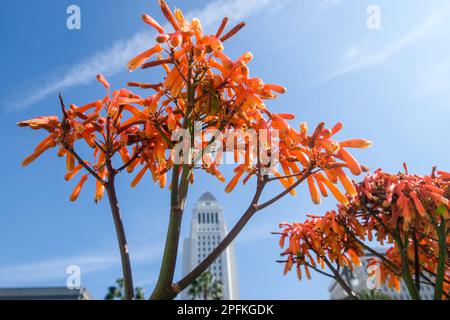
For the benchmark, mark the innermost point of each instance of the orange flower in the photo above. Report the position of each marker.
(232, 184)
(140, 59)
(352, 164)
(346, 182)
(315, 197)
(356, 143)
(334, 190)
(168, 14)
(138, 177)
(77, 190)
(149, 20)
(103, 81)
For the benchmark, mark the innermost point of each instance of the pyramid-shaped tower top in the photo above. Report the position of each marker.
(207, 196)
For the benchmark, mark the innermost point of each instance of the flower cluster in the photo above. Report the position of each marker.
(201, 84)
(408, 213)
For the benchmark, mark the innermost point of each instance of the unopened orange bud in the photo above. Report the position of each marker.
(338, 127)
(356, 143)
(352, 164)
(149, 20)
(334, 190)
(168, 14)
(314, 192)
(276, 88)
(418, 204)
(140, 59)
(179, 16)
(77, 190)
(69, 175)
(103, 81)
(346, 182)
(230, 187)
(138, 177)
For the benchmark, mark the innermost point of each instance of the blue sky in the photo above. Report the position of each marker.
(390, 85)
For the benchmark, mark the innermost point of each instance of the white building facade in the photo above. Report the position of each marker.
(208, 229)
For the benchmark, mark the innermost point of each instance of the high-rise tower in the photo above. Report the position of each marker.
(208, 228)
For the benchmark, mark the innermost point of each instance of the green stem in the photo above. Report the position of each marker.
(406, 274)
(440, 274)
(163, 289)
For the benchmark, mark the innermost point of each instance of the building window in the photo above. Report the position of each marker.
(217, 217)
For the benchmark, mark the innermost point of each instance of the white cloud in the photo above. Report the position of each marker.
(108, 62)
(355, 59)
(112, 60)
(55, 269)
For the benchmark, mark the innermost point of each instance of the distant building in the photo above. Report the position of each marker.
(44, 294)
(208, 228)
(357, 280)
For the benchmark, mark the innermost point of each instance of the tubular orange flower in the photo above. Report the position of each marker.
(334, 190)
(140, 59)
(340, 236)
(70, 162)
(69, 175)
(203, 83)
(354, 257)
(346, 182)
(31, 158)
(356, 143)
(103, 81)
(353, 165)
(79, 186)
(322, 188)
(168, 14)
(138, 177)
(152, 22)
(99, 191)
(276, 88)
(315, 197)
(419, 206)
(232, 184)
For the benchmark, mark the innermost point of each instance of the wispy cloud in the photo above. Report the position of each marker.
(112, 60)
(108, 61)
(355, 59)
(55, 269)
